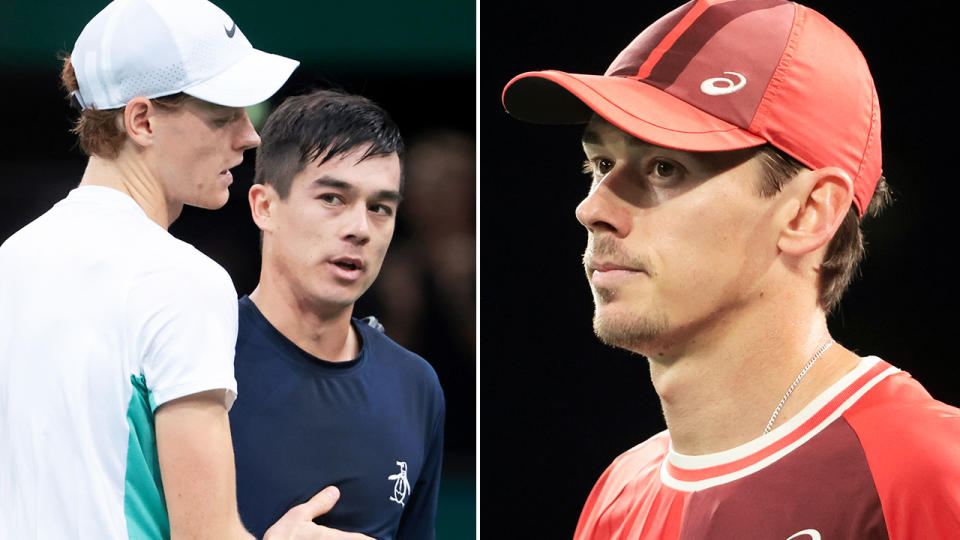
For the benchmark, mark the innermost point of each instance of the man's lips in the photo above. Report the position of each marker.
(346, 267)
(609, 274)
(604, 266)
(226, 172)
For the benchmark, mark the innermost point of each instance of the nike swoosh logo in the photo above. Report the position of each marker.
(231, 31)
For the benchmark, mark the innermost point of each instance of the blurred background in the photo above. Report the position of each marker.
(417, 60)
(557, 405)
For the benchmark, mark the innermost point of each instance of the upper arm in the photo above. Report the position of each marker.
(918, 478)
(420, 515)
(196, 465)
(182, 311)
(183, 314)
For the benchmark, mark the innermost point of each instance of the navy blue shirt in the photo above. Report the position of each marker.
(372, 426)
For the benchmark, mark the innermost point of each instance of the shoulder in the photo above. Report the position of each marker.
(390, 354)
(642, 460)
(640, 464)
(900, 409)
(176, 288)
(168, 260)
(400, 368)
(912, 446)
(167, 251)
(633, 472)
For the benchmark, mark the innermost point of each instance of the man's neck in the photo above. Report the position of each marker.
(721, 392)
(324, 333)
(132, 177)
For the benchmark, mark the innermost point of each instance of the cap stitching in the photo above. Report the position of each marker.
(778, 79)
(874, 101)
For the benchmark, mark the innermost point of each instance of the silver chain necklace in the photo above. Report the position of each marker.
(793, 386)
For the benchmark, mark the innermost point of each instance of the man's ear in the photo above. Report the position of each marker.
(137, 121)
(822, 199)
(263, 202)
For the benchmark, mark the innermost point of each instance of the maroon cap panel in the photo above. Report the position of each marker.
(712, 22)
(729, 44)
(731, 72)
(628, 62)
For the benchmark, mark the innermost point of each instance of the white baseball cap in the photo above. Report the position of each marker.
(155, 48)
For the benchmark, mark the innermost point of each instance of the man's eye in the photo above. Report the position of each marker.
(597, 166)
(381, 209)
(223, 120)
(330, 198)
(664, 168)
(604, 166)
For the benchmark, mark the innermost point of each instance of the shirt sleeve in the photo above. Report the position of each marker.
(184, 314)
(918, 478)
(912, 445)
(420, 515)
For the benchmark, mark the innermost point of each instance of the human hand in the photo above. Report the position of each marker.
(297, 523)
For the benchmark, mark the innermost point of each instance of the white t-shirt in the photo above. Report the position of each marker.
(104, 316)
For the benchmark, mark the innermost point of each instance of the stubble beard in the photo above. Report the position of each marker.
(632, 330)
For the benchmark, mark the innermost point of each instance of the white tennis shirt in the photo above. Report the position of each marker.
(104, 316)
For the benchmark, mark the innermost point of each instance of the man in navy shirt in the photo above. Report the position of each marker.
(329, 399)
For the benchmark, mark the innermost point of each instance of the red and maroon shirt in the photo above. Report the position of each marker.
(873, 457)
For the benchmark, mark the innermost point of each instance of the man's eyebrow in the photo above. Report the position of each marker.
(329, 181)
(714, 162)
(592, 137)
(213, 108)
(391, 195)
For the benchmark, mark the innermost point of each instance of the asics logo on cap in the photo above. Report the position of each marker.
(721, 86)
(231, 31)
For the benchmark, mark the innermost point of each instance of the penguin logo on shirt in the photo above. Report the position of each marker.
(401, 486)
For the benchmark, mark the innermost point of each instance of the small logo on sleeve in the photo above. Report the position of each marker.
(802, 535)
(401, 486)
(230, 31)
(721, 86)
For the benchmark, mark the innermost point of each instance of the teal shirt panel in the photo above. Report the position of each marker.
(143, 503)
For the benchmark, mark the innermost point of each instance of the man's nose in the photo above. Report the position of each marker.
(603, 210)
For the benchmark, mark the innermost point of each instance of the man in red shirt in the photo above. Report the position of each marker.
(734, 147)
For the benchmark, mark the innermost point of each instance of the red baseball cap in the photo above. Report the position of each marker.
(717, 75)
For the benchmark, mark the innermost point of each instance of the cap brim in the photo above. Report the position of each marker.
(252, 80)
(642, 110)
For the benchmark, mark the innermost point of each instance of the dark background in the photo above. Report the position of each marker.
(417, 61)
(557, 405)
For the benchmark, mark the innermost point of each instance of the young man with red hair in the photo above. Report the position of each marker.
(116, 348)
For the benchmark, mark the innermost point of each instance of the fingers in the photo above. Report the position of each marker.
(298, 524)
(322, 502)
(326, 533)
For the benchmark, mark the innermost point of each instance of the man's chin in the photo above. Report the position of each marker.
(334, 292)
(211, 203)
(629, 331)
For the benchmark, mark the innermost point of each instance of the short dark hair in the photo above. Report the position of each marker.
(846, 248)
(322, 123)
